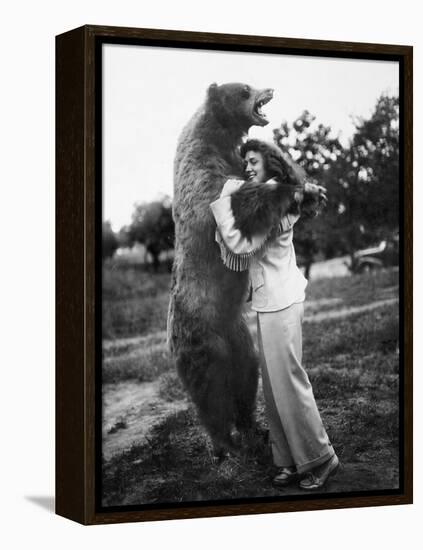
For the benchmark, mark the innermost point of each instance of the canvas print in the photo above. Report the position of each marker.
(250, 276)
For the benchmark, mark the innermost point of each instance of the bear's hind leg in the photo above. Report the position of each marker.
(205, 368)
(245, 379)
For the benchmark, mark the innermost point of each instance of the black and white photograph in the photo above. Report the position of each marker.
(250, 276)
(210, 236)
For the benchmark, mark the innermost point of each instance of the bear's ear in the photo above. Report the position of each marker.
(212, 91)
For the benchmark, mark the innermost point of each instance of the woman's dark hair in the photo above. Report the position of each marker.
(274, 163)
(283, 169)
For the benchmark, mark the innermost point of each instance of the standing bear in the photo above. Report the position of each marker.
(208, 337)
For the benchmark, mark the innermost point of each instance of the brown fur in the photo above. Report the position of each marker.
(256, 206)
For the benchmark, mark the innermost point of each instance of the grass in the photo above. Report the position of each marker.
(355, 290)
(170, 387)
(375, 330)
(135, 301)
(352, 362)
(143, 364)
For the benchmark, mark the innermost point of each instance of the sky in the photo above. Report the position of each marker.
(150, 93)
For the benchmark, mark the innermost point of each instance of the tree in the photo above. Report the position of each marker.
(375, 149)
(124, 237)
(109, 241)
(364, 181)
(309, 144)
(152, 225)
(312, 146)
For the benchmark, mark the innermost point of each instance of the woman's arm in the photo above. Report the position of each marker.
(236, 249)
(223, 214)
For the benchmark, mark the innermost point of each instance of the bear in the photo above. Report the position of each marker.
(207, 334)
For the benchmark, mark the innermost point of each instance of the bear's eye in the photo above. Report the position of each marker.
(246, 92)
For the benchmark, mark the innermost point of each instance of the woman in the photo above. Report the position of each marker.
(300, 446)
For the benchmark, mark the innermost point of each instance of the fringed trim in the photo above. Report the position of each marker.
(235, 262)
(241, 262)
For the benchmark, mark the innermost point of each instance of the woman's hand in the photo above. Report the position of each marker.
(317, 191)
(231, 186)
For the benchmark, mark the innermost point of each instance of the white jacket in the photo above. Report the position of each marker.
(276, 280)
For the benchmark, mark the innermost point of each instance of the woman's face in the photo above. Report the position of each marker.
(254, 167)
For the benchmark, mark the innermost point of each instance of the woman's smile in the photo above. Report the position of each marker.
(254, 167)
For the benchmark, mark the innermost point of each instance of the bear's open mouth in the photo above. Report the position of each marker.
(263, 98)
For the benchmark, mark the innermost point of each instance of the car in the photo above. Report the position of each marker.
(385, 254)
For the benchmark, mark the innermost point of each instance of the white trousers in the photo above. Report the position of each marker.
(296, 431)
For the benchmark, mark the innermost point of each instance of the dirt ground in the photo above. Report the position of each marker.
(130, 411)
(131, 408)
(154, 449)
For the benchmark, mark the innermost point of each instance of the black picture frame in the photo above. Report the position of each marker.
(78, 265)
